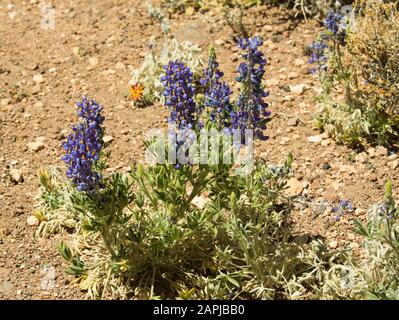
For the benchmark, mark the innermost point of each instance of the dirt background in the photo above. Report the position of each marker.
(92, 50)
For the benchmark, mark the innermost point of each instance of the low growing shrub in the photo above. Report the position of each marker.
(357, 63)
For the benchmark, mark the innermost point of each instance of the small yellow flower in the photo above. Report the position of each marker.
(136, 91)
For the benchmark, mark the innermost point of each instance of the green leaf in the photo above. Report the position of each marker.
(361, 230)
(64, 251)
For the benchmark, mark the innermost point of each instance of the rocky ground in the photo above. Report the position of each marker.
(91, 50)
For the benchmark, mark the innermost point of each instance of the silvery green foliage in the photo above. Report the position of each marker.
(156, 13)
(53, 209)
(375, 275)
(341, 121)
(150, 72)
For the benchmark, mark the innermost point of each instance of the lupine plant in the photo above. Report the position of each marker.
(190, 232)
(358, 59)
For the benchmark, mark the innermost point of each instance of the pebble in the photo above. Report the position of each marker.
(394, 164)
(288, 98)
(16, 175)
(326, 166)
(293, 122)
(333, 244)
(326, 142)
(38, 78)
(268, 28)
(381, 151)
(315, 139)
(295, 187)
(37, 145)
(361, 157)
(299, 88)
(299, 62)
(108, 139)
(93, 61)
(32, 221)
(371, 152)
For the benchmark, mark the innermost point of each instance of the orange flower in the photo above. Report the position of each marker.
(136, 91)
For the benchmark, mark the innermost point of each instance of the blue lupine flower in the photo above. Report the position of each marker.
(336, 24)
(387, 210)
(217, 93)
(252, 110)
(179, 94)
(344, 207)
(318, 55)
(83, 146)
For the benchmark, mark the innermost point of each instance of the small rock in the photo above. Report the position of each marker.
(359, 211)
(52, 70)
(219, 42)
(295, 187)
(326, 142)
(37, 145)
(333, 244)
(325, 135)
(361, 157)
(288, 98)
(200, 202)
(108, 139)
(32, 66)
(93, 61)
(351, 236)
(16, 175)
(394, 164)
(381, 151)
(75, 50)
(315, 139)
(326, 166)
(330, 195)
(299, 62)
(268, 28)
(371, 152)
(284, 140)
(293, 122)
(299, 88)
(393, 156)
(38, 78)
(32, 221)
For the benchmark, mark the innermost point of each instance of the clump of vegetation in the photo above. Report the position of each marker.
(358, 66)
(184, 230)
(146, 83)
(375, 275)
